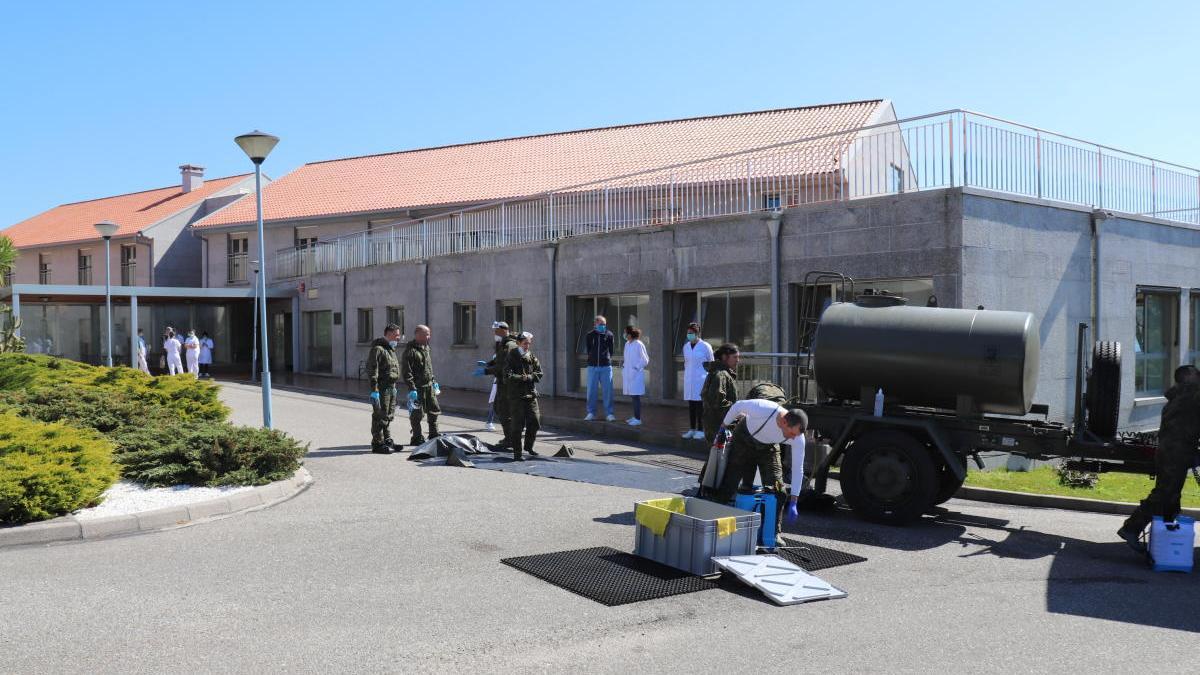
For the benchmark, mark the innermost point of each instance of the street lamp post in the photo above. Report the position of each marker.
(254, 333)
(107, 230)
(257, 146)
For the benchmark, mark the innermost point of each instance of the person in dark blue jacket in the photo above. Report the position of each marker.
(599, 344)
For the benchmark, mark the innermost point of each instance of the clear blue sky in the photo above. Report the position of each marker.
(104, 98)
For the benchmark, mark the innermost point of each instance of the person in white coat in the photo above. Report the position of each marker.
(633, 374)
(172, 346)
(206, 351)
(696, 353)
(141, 353)
(192, 346)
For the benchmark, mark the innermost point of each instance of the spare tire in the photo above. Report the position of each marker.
(1104, 390)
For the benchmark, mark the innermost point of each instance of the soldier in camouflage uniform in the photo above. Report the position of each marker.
(383, 369)
(505, 343)
(1178, 435)
(416, 369)
(719, 391)
(523, 372)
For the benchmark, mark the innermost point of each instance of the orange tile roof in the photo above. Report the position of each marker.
(133, 212)
(528, 165)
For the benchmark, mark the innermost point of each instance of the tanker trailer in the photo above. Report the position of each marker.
(955, 383)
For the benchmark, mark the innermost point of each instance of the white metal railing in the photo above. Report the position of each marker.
(955, 148)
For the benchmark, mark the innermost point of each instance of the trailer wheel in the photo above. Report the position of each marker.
(889, 477)
(1104, 389)
(948, 485)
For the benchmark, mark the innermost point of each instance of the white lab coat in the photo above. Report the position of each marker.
(193, 355)
(172, 346)
(141, 356)
(206, 347)
(633, 373)
(694, 374)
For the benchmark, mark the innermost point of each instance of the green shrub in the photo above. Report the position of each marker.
(48, 470)
(156, 446)
(183, 394)
(207, 453)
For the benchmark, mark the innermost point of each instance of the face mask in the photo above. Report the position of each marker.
(601, 328)
(498, 338)
(691, 337)
(393, 343)
(521, 351)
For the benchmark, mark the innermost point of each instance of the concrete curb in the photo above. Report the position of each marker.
(69, 528)
(993, 496)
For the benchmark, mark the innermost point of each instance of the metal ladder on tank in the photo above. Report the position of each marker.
(811, 307)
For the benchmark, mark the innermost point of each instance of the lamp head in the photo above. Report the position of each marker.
(107, 228)
(257, 145)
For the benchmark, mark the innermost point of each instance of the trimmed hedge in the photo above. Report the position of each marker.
(49, 470)
(158, 447)
(186, 396)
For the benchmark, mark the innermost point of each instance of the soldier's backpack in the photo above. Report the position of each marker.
(769, 391)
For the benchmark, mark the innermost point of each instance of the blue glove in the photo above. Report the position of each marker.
(478, 372)
(375, 399)
(412, 395)
(791, 515)
(481, 363)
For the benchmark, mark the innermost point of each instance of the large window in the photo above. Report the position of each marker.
(366, 324)
(741, 316)
(85, 267)
(509, 311)
(43, 268)
(620, 311)
(1194, 333)
(238, 248)
(128, 265)
(464, 323)
(396, 315)
(1157, 330)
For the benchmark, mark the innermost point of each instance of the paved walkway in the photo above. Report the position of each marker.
(386, 565)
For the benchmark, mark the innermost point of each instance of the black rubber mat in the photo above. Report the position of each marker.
(609, 576)
(812, 557)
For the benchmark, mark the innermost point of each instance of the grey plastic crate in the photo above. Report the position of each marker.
(690, 540)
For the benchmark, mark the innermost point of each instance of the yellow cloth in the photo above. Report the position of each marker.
(726, 526)
(655, 514)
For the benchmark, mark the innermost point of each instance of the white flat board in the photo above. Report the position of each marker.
(781, 581)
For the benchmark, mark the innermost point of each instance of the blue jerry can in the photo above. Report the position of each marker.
(1171, 544)
(762, 503)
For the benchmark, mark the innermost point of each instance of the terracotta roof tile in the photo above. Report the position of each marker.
(133, 212)
(530, 165)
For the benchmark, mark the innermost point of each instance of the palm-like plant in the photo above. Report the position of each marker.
(9, 342)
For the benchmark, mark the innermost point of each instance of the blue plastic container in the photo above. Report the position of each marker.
(762, 503)
(1172, 543)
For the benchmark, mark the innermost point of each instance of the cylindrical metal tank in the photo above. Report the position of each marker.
(982, 360)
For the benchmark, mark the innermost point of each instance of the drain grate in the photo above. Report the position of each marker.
(609, 576)
(812, 557)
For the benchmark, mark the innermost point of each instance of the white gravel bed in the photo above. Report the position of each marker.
(126, 497)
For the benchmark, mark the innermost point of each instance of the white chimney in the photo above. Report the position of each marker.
(193, 176)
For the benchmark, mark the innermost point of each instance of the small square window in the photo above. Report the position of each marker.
(771, 202)
(509, 311)
(464, 323)
(366, 328)
(395, 315)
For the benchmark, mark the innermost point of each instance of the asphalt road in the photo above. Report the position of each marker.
(385, 565)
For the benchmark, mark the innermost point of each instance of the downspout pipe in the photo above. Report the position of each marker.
(1097, 220)
(552, 258)
(345, 333)
(774, 222)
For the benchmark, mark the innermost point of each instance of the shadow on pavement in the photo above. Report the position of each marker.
(1086, 578)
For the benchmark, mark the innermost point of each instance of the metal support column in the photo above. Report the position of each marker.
(133, 329)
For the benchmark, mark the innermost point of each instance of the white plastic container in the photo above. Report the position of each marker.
(1172, 543)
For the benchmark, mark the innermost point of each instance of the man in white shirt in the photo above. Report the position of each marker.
(759, 427)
